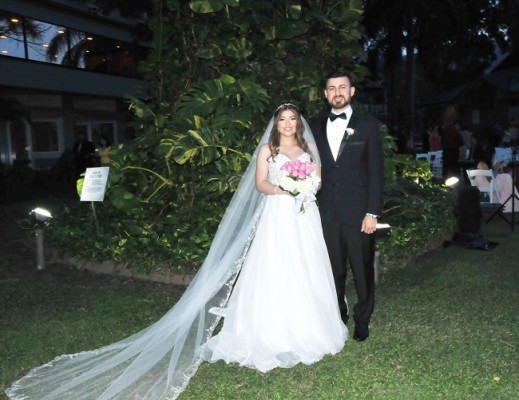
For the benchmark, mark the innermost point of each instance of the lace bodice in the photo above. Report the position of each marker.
(275, 172)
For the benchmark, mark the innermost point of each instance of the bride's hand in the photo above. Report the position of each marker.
(279, 191)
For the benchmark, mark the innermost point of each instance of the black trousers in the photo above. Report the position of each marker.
(345, 244)
(450, 162)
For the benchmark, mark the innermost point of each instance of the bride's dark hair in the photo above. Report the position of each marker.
(274, 134)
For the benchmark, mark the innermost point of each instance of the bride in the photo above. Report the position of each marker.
(283, 309)
(280, 311)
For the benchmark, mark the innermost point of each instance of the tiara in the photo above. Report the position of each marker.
(286, 105)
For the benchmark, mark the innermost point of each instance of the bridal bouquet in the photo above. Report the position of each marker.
(300, 181)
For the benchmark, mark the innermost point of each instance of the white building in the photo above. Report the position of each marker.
(67, 69)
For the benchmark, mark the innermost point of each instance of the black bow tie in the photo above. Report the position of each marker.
(333, 116)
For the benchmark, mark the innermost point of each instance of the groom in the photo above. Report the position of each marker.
(350, 199)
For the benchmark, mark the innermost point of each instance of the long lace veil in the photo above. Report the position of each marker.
(157, 362)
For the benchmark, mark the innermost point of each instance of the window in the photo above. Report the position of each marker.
(95, 130)
(28, 38)
(45, 136)
(31, 39)
(105, 129)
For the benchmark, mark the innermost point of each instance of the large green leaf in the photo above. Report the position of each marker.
(204, 99)
(294, 11)
(211, 6)
(198, 137)
(239, 48)
(288, 29)
(211, 51)
(185, 154)
(206, 6)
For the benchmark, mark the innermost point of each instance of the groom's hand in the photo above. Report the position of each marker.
(369, 224)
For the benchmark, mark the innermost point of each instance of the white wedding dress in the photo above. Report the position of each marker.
(283, 309)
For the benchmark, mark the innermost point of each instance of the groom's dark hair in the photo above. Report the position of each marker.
(339, 73)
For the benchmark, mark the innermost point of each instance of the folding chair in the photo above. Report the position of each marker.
(436, 160)
(424, 156)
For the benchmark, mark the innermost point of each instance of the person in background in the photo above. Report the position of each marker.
(476, 151)
(425, 140)
(435, 140)
(84, 153)
(452, 144)
(496, 134)
(503, 186)
(409, 140)
(103, 151)
(467, 144)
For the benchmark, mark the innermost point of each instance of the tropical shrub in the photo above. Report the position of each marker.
(417, 207)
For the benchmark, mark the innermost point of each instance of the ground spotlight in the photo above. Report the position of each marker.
(452, 181)
(42, 217)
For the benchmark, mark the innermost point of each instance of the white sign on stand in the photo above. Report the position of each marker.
(94, 184)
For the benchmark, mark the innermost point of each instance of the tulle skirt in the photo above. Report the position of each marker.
(283, 309)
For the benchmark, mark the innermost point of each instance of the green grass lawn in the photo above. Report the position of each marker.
(445, 327)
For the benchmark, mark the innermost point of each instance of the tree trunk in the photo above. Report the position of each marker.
(410, 81)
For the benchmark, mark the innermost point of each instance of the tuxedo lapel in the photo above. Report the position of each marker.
(342, 146)
(325, 150)
(352, 123)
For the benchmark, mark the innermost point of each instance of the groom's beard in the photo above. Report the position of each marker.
(339, 102)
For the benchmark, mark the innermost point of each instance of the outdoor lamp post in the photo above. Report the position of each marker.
(42, 218)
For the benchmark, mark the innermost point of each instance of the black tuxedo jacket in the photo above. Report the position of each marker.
(352, 185)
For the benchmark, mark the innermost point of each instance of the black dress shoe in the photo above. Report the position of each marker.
(361, 332)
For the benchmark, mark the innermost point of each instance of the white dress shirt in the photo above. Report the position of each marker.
(335, 131)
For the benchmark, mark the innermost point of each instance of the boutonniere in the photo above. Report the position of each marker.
(349, 132)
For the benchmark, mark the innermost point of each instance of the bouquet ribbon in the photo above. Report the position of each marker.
(302, 201)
